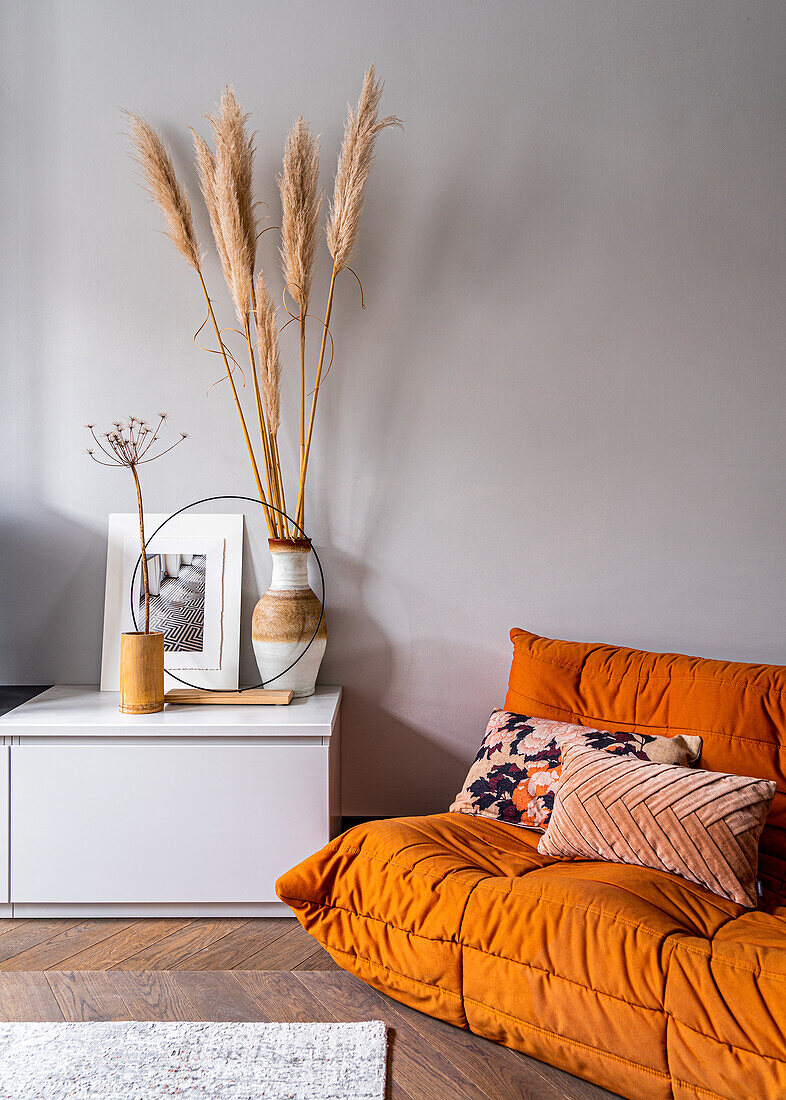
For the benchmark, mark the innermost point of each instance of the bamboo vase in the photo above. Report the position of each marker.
(141, 672)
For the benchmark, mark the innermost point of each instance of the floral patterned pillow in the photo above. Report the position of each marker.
(517, 769)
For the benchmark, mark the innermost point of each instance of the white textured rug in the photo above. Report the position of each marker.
(129, 1061)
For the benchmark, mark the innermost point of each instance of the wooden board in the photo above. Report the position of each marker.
(259, 697)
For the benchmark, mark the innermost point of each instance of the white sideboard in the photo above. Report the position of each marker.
(193, 811)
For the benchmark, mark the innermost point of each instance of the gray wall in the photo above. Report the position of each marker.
(563, 407)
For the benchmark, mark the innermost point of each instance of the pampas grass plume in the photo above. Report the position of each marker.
(234, 141)
(226, 181)
(301, 201)
(269, 360)
(160, 180)
(206, 170)
(354, 164)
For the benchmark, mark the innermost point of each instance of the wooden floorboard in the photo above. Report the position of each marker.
(31, 933)
(231, 951)
(28, 997)
(285, 952)
(126, 942)
(54, 952)
(283, 998)
(171, 953)
(8, 924)
(153, 995)
(246, 969)
(320, 960)
(218, 995)
(87, 995)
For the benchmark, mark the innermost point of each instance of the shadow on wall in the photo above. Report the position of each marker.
(389, 768)
(56, 639)
(389, 765)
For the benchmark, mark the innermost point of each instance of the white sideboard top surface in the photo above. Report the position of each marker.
(72, 711)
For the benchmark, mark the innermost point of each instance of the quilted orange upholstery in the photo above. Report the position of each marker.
(632, 978)
(738, 710)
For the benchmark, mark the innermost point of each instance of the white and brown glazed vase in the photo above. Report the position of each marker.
(284, 620)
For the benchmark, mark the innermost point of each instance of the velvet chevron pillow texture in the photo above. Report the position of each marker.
(702, 825)
(517, 768)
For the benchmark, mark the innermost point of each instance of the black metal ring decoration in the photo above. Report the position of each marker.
(252, 500)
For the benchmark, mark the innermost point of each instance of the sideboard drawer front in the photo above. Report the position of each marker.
(168, 823)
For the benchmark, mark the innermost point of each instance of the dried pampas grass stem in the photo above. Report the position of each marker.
(301, 201)
(233, 137)
(354, 164)
(233, 197)
(270, 384)
(161, 182)
(226, 181)
(362, 126)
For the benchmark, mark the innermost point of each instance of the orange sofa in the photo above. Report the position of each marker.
(634, 979)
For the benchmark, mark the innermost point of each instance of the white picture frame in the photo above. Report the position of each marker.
(197, 604)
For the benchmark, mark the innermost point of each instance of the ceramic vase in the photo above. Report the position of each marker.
(285, 619)
(141, 672)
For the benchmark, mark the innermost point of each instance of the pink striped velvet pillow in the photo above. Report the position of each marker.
(702, 825)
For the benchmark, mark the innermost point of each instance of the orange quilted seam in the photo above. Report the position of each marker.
(648, 726)
(389, 924)
(562, 978)
(698, 1088)
(540, 896)
(730, 1046)
(611, 675)
(390, 970)
(757, 970)
(401, 866)
(534, 896)
(464, 945)
(604, 1054)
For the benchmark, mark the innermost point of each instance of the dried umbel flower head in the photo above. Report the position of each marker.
(354, 164)
(130, 443)
(301, 201)
(162, 184)
(269, 361)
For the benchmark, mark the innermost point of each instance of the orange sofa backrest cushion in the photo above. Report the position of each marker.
(739, 710)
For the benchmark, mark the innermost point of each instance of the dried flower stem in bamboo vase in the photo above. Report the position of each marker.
(132, 444)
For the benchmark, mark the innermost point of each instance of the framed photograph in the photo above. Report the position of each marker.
(194, 568)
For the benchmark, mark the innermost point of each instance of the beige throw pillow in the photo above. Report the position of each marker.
(702, 825)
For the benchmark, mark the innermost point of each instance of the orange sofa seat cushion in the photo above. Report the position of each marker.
(572, 962)
(739, 710)
(726, 1000)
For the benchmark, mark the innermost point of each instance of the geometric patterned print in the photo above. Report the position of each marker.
(179, 609)
(702, 825)
(517, 769)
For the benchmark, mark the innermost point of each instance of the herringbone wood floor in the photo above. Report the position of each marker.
(241, 969)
